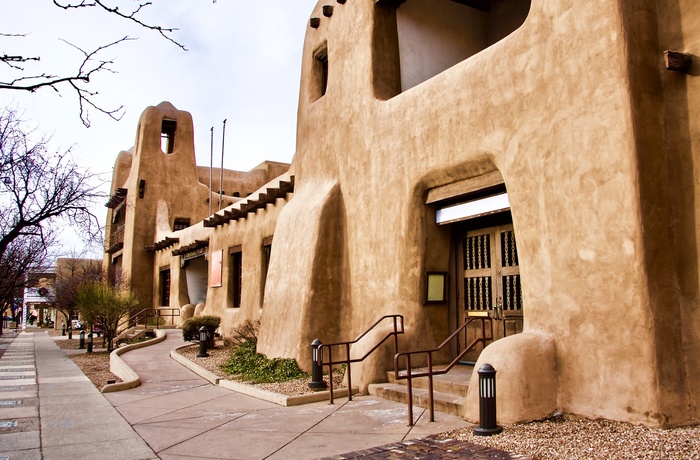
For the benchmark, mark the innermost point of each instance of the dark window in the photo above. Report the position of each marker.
(236, 276)
(165, 287)
(266, 253)
(167, 135)
(181, 224)
(320, 72)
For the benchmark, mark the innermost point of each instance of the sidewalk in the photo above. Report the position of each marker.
(176, 415)
(50, 410)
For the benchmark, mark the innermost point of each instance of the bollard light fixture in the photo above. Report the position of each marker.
(81, 343)
(317, 383)
(89, 342)
(487, 402)
(202, 343)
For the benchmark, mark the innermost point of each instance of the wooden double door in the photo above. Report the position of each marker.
(489, 283)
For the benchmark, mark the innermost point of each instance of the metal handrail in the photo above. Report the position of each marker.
(144, 315)
(398, 329)
(409, 376)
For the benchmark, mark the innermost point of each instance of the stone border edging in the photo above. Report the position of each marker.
(118, 367)
(255, 392)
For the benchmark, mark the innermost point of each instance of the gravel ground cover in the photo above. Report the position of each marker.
(561, 437)
(569, 437)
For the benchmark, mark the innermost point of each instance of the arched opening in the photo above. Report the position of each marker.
(485, 271)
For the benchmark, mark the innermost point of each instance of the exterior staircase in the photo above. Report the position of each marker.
(449, 390)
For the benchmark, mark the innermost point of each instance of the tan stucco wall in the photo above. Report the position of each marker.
(558, 108)
(596, 144)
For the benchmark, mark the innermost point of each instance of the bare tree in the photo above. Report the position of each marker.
(71, 274)
(22, 262)
(41, 189)
(23, 79)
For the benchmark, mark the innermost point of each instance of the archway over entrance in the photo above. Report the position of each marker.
(485, 269)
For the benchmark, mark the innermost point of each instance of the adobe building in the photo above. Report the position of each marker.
(432, 136)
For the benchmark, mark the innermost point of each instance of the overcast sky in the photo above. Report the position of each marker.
(243, 64)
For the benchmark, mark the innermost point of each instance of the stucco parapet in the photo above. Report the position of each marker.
(267, 194)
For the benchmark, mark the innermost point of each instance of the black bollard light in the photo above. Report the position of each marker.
(70, 333)
(487, 402)
(81, 343)
(317, 382)
(89, 343)
(202, 343)
(63, 329)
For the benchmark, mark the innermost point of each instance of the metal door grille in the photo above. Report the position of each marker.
(512, 293)
(477, 252)
(509, 252)
(478, 293)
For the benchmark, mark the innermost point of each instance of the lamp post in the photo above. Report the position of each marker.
(202, 343)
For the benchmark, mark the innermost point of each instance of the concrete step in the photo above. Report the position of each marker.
(443, 402)
(455, 382)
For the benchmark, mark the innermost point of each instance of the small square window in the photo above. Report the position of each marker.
(181, 223)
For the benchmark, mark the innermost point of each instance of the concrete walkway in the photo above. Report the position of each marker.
(50, 410)
(182, 416)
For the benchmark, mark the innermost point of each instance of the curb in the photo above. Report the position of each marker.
(205, 374)
(119, 368)
(255, 392)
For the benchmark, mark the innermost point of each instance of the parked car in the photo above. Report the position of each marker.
(76, 324)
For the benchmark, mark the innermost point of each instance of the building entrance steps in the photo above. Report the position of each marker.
(449, 395)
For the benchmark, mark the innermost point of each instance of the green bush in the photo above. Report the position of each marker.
(190, 328)
(249, 365)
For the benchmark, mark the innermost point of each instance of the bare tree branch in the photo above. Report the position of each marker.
(163, 31)
(90, 65)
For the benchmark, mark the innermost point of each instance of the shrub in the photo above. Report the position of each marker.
(249, 365)
(247, 332)
(190, 328)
